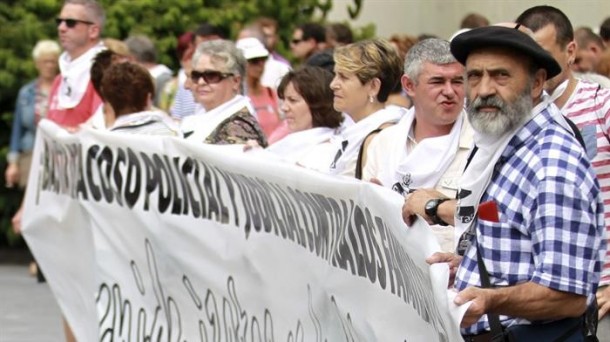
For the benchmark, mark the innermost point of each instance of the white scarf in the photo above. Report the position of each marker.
(424, 166)
(293, 146)
(75, 76)
(158, 70)
(199, 126)
(477, 176)
(347, 143)
(139, 118)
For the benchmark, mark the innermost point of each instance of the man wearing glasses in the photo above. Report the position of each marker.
(307, 39)
(73, 99)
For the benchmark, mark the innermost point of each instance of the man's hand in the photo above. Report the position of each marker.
(480, 302)
(415, 204)
(375, 181)
(452, 259)
(603, 301)
(11, 175)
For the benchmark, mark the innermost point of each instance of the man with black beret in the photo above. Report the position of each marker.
(529, 203)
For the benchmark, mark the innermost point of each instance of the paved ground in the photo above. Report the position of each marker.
(28, 311)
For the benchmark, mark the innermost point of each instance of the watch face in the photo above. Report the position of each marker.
(430, 207)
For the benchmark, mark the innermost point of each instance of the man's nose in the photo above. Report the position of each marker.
(486, 87)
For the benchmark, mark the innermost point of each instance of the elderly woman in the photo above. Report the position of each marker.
(31, 106)
(128, 90)
(307, 103)
(365, 74)
(216, 83)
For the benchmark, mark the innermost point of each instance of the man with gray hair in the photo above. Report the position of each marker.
(427, 148)
(144, 52)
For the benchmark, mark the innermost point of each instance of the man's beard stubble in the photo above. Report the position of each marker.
(507, 117)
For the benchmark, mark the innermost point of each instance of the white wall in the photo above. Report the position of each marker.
(442, 17)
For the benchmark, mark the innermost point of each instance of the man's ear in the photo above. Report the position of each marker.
(595, 49)
(94, 32)
(538, 83)
(571, 51)
(408, 85)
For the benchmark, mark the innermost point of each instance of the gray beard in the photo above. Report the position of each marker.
(507, 117)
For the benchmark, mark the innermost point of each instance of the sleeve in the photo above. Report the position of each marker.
(238, 131)
(567, 232)
(16, 130)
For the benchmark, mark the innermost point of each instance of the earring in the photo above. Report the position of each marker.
(371, 99)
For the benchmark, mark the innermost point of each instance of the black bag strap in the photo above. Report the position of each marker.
(576, 133)
(359, 165)
(497, 332)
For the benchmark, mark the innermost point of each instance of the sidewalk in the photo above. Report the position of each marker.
(28, 311)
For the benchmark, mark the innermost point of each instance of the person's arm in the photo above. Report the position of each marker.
(603, 301)
(527, 300)
(11, 175)
(415, 204)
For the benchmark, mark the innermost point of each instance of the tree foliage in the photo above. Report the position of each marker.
(24, 22)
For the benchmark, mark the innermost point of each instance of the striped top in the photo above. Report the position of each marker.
(589, 108)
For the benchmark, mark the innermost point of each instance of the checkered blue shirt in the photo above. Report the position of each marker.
(551, 218)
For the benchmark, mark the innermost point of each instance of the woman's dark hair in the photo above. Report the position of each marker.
(127, 87)
(313, 84)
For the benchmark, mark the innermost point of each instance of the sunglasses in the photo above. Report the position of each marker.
(71, 22)
(257, 60)
(209, 76)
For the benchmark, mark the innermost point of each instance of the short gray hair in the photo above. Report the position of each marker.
(223, 53)
(142, 48)
(44, 47)
(95, 11)
(433, 50)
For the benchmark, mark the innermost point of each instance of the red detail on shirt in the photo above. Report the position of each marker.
(488, 211)
(72, 117)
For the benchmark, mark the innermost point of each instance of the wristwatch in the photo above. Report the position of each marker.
(431, 209)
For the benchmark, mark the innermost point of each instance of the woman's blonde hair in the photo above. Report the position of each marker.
(45, 47)
(370, 59)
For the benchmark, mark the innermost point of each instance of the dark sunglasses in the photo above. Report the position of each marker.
(257, 60)
(71, 22)
(209, 76)
(296, 41)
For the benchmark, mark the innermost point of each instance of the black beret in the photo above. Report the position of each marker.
(511, 38)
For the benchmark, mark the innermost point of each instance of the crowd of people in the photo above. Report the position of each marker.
(498, 137)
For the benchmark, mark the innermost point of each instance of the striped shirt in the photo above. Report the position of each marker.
(550, 228)
(183, 104)
(589, 108)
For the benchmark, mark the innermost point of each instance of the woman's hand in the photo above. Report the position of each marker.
(251, 145)
(11, 175)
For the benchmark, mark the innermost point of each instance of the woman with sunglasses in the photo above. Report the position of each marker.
(365, 74)
(216, 83)
(307, 102)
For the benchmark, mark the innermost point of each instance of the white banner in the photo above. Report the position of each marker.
(146, 238)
